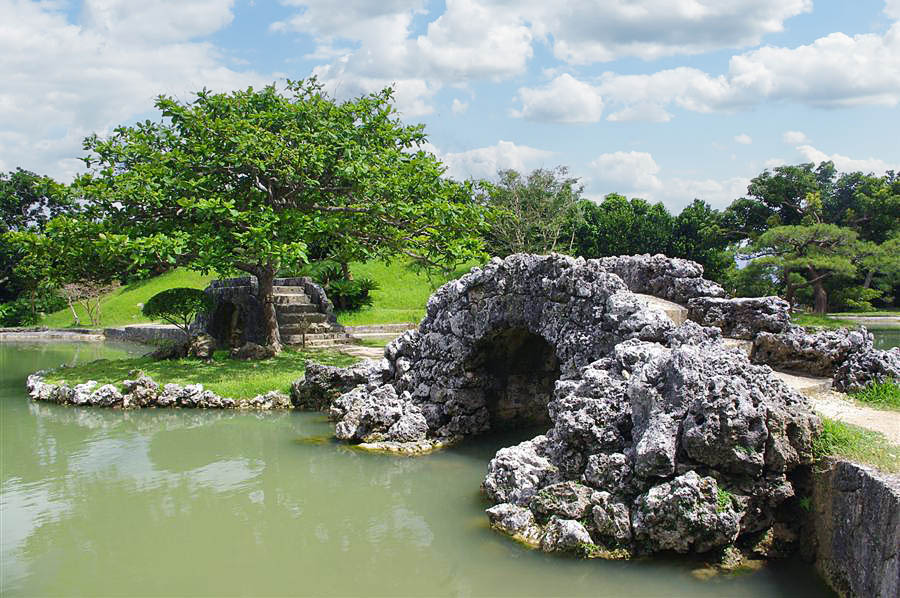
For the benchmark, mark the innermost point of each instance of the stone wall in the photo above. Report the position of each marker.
(854, 529)
(145, 334)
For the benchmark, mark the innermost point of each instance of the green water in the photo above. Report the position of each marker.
(170, 502)
(885, 338)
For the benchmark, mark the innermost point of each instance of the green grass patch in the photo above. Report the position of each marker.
(224, 376)
(401, 296)
(881, 395)
(818, 321)
(867, 314)
(376, 343)
(123, 306)
(856, 444)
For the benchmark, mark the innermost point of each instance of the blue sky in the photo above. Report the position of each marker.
(663, 99)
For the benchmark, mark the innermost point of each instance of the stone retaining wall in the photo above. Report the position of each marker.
(148, 334)
(854, 529)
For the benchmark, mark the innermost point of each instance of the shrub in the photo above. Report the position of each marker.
(22, 312)
(346, 294)
(885, 395)
(178, 306)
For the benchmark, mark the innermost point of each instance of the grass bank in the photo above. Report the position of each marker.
(123, 306)
(826, 321)
(401, 295)
(857, 444)
(224, 376)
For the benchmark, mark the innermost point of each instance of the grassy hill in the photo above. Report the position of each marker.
(401, 296)
(123, 306)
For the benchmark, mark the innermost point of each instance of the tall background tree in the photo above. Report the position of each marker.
(240, 181)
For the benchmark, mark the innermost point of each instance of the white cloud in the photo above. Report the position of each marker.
(892, 8)
(774, 162)
(588, 31)
(63, 81)
(629, 173)
(459, 107)
(794, 137)
(470, 40)
(845, 163)
(743, 139)
(637, 174)
(565, 99)
(834, 71)
(484, 162)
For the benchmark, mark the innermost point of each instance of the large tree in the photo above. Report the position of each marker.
(536, 213)
(241, 181)
(808, 255)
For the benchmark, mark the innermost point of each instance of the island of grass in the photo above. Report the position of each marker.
(235, 379)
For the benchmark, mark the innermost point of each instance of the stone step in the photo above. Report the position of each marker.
(677, 313)
(290, 299)
(381, 329)
(811, 386)
(299, 319)
(330, 337)
(295, 308)
(288, 290)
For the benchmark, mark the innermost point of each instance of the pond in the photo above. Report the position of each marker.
(164, 502)
(885, 338)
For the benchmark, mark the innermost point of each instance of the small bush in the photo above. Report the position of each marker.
(350, 295)
(885, 395)
(22, 313)
(178, 306)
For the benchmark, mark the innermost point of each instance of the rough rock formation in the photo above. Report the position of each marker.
(819, 353)
(659, 437)
(864, 367)
(322, 384)
(741, 318)
(659, 448)
(143, 392)
(673, 279)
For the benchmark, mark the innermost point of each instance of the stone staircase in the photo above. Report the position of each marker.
(297, 314)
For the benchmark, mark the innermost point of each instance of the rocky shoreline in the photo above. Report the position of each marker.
(144, 393)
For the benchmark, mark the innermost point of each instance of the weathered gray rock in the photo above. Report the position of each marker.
(252, 351)
(741, 318)
(612, 519)
(377, 415)
(819, 353)
(143, 392)
(516, 473)
(568, 500)
(865, 367)
(564, 535)
(322, 384)
(516, 521)
(674, 279)
(685, 515)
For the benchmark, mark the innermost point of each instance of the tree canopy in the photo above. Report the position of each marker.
(244, 180)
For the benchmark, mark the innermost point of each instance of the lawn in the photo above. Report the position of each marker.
(826, 321)
(224, 376)
(401, 296)
(123, 306)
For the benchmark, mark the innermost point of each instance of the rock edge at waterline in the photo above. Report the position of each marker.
(143, 393)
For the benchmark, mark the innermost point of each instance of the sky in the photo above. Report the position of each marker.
(668, 100)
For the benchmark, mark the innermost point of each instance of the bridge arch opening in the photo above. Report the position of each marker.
(516, 371)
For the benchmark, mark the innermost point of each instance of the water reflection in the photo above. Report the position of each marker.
(187, 502)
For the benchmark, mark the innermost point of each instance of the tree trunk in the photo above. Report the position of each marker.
(266, 277)
(345, 271)
(820, 295)
(869, 275)
(788, 291)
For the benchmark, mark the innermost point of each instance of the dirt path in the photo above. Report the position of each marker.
(836, 406)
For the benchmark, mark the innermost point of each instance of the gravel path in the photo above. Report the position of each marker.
(836, 406)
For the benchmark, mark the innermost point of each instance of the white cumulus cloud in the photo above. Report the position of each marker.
(845, 163)
(743, 139)
(565, 99)
(794, 137)
(484, 162)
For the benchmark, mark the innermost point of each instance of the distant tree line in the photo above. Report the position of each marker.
(806, 232)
